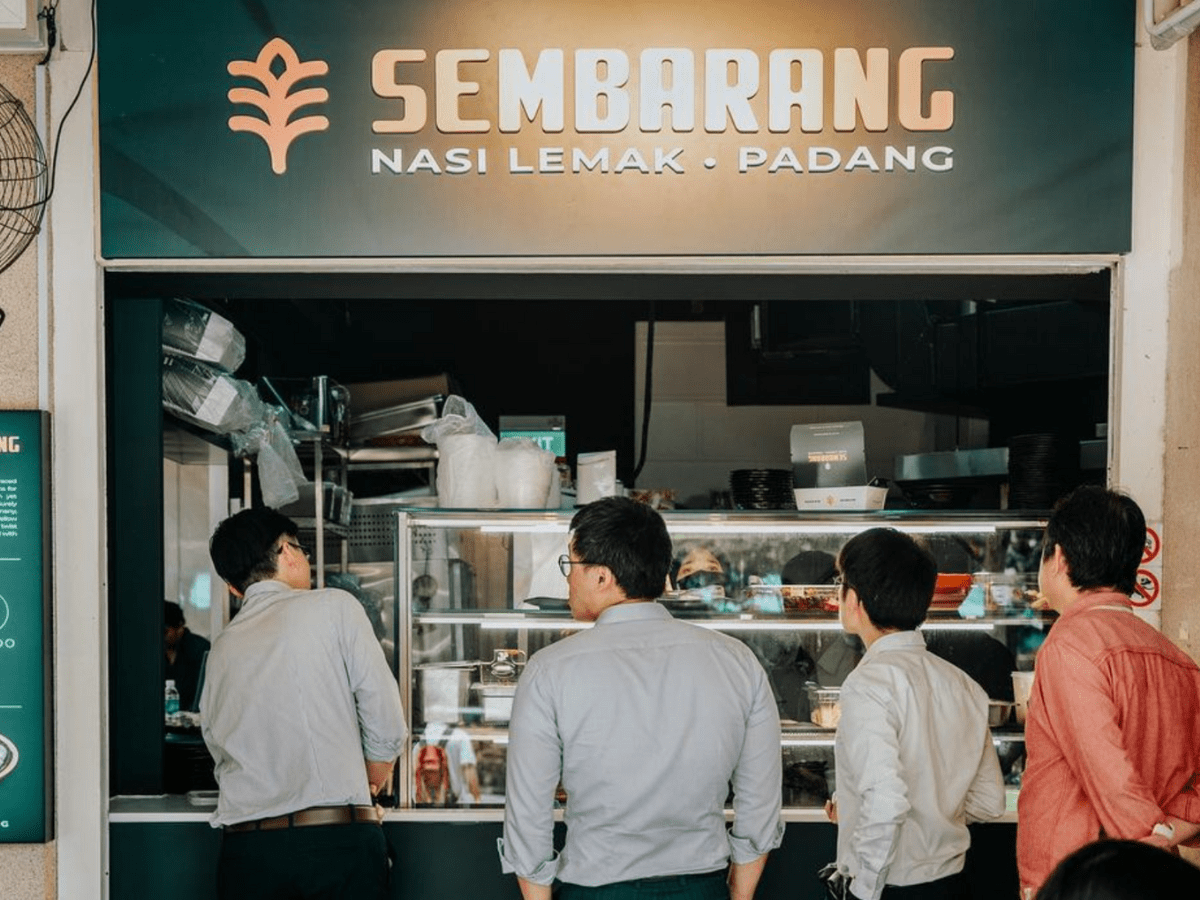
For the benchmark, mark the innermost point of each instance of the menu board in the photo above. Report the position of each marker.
(25, 653)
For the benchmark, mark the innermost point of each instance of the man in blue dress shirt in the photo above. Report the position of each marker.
(647, 722)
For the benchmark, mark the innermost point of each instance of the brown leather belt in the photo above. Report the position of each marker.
(314, 815)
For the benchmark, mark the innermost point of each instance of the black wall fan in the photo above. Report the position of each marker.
(24, 179)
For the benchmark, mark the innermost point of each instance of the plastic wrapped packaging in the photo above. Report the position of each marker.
(525, 475)
(596, 476)
(466, 475)
(189, 329)
(466, 456)
(279, 471)
(202, 394)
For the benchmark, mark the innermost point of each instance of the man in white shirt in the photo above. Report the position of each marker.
(914, 755)
(647, 722)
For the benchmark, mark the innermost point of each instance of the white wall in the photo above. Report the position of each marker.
(80, 538)
(1141, 323)
(195, 498)
(696, 440)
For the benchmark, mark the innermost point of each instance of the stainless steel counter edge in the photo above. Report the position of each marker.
(176, 808)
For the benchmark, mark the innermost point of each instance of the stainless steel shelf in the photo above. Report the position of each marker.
(363, 457)
(536, 619)
(309, 523)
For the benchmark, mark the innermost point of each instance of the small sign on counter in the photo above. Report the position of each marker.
(829, 468)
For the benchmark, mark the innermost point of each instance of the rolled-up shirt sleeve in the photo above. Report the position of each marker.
(1186, 804)
(376, 693)
(758, 781)
(534, 767)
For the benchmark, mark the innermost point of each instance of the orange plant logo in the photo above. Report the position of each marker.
(277, 101)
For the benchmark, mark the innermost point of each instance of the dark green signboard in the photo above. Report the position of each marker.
(476, 128)
(26, 759)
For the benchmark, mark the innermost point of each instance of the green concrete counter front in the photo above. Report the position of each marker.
(162, 848)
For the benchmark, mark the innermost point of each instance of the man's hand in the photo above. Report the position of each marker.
(743, 878)
(1186, 834)
(831, 810)
(531, 891)
(378, 774)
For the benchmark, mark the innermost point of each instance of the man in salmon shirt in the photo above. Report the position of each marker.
(1113, 729)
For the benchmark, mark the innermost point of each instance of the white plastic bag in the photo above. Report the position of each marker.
(466, 456)
(595, 476)
(458, 417)
(465, 474)
(279, 471)
(524, 474)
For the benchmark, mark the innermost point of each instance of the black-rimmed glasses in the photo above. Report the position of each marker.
(565, 562)
(295, 545)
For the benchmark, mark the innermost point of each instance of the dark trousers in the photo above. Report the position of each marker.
(952, 887)
(709, 886)
(323, 862)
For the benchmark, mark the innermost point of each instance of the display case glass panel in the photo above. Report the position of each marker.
(478, 593)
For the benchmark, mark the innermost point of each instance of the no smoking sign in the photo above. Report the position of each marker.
(1153, 545)
(1146, 589)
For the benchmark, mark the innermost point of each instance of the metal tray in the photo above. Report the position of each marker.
(393, 419)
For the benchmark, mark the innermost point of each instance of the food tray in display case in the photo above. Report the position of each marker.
(472, 587)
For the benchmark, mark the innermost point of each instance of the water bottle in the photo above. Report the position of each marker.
(172, 701)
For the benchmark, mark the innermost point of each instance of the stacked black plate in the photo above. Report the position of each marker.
(1041, 469)
(762, 489)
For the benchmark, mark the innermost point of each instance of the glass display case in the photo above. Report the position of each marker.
(477, 593)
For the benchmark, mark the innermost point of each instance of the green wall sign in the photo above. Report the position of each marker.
(26, 755)
(468, 128)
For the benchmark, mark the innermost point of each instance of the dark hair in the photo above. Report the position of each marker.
(630, 539)
(809, 567)
(1103, 536)
(172, 614)
(1121, 870)
(892, 574)
(243, 546)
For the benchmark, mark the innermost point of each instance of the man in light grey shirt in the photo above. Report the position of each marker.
(303, 719)
(647, 723)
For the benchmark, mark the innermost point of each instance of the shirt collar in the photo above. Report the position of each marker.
(897, 640)
(263, 593)
(1092, 599)
(641, 611)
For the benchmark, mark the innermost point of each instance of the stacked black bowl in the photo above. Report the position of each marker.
(1041, 468)
(762, 489)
